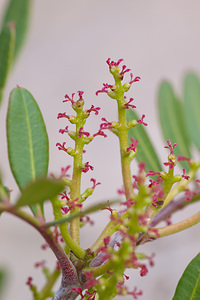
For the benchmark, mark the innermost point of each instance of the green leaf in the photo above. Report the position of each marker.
(145, 149)
(188, 287)
(2, 281)
(18, 12)
(4, 192)
(7, 42)
(39, 191)
(27, 138)
(192, 107)
(173, 121)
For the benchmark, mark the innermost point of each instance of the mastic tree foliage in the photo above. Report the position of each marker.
(152, 194)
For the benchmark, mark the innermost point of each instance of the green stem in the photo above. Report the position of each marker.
(107, 231)
(123, 139)
(75, 187)
(75, 191)
(174, 191)
(77, 250)
(97, 271)
(171, 193)
(182, 185)
(174, 228)
(125, 160)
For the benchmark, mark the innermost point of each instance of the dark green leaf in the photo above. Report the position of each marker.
(188, 287)
(7, 42)
(2, 281)
(172, 121)
(18, 12)
(27, 138)
(145, 149)
(39, 191)
(192, 107)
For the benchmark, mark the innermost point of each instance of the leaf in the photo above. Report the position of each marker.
(4, 192)
(188, 287)
(192, 107)
(2, 281)
(39, 191)
(7, 42)
(18, 12)
(27, 138)
(145, 149)
(173, 122)
(87, 211)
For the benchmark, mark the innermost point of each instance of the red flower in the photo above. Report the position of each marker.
(81, 132)
(87, 167)
(185, 176)
(61, 147)
(94, 109)
(133, 145)
(141, 121)
(64, 130)
(137, 78)
(111, 63)
(170, 147)
(127, 105)
(105, 88)
(170, 163)
(106, 125)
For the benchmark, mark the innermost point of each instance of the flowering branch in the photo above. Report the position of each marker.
(174, 228)
(69, 273)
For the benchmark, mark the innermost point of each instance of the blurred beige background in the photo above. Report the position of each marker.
(66, 50)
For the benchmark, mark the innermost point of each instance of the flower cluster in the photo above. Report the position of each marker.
(143, 196)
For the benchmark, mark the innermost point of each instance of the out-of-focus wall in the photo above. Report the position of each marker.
(66, 50)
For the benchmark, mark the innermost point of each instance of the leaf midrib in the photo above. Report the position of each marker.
(175, 129)
(194, 290)
(32, 161)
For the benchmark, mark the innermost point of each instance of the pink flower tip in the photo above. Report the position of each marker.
(105, 88)
(87, 167)
(141, 121)
(112, 63)
(185, 176)
(152, 173)
(137, 78)
(127, 105)
(170, 147)
(81, 132)
(94, 183)
(133, 145)
(143, 270)
(80, 93)
(29, 282)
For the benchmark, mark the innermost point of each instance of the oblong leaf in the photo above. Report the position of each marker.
(18, 12)
(188, 287)
(192, 107)
(3, 275)
(27, 138)
(39, 191)
(173, 121)
(7, 42)
(145, 149)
